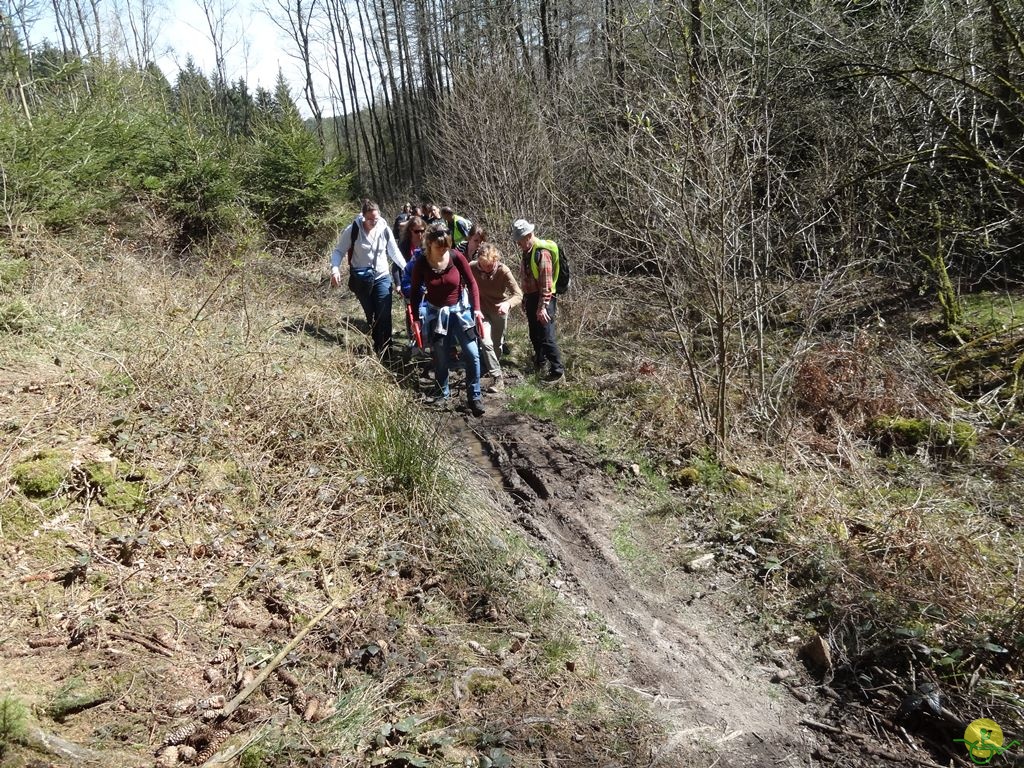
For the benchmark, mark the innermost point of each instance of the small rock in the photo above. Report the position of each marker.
(313, 470)
(782, 674)
(497, 543)
(360, 479)
(635, 469)
(816, 653)
(557, 583)
(702, 563)
(800, 695)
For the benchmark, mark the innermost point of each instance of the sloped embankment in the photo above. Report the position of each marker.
(229, 539)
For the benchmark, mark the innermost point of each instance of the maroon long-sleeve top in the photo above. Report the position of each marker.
(443, 288)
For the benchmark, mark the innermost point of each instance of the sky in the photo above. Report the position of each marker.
(256, 46)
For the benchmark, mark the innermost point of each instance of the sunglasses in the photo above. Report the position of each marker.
(419, 231)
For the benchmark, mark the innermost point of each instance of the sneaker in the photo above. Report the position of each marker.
(496, 385)
(440, 401)
(476, 407)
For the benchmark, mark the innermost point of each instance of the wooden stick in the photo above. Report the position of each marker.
(232, 705)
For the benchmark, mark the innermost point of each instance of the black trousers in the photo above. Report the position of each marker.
(545, 347)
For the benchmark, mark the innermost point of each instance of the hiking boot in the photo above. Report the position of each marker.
(476, 407)
(553, 378)
(506, 348)
(496, 385)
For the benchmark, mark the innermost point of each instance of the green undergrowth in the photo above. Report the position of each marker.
(205, 471)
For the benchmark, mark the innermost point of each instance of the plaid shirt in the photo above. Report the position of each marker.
(541, 284)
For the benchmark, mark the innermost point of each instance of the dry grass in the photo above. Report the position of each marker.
(279, 472)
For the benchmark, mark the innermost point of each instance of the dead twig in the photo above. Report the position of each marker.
(232, 705)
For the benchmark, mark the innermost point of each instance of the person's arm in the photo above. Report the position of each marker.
(544, 277)
(407, 275)
(341, 248)
(516, 297)
(546, 286)
(393, 253)
(416, 286)
(467, 276)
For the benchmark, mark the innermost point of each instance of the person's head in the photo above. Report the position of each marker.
(371, 213)
(415, 229)
(477, 235)
(522, 233)
(438, 240)
(434, 213)
(447, 214)
(407, 208)
(488, 257)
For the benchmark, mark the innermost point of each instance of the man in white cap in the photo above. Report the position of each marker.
(539, 300)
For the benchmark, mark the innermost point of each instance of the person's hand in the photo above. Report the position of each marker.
(503, 308)
(543, 317)
(335, 277)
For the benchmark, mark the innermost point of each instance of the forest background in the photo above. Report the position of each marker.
(789, 207)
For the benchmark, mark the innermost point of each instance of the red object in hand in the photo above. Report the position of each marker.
(416, 334)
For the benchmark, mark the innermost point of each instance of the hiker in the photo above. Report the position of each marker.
(451, 314)
(468, 247)
(499, 294)
(410, 246)
(433, 215)
(404, 215)
(457, 225)
(368, 244)
(539, 300)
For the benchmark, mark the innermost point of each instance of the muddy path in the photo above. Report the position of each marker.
(690, 658)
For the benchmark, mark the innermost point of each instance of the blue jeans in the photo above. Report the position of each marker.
(375, 299)
(443, 346)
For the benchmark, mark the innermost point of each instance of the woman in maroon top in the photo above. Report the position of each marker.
(452, 310)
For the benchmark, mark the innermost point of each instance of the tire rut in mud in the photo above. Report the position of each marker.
(693, 662)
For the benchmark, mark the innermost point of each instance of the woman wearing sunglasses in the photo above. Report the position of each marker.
(443, 281)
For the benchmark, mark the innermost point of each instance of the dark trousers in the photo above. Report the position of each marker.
(375, 299)
(545, 347)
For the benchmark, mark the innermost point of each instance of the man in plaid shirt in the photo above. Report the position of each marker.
(539, 299)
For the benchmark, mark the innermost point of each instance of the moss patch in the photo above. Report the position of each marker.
(17, 316)
(43, 474)
(954, 437)
(115, 492)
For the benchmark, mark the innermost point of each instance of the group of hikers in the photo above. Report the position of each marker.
(456, 291)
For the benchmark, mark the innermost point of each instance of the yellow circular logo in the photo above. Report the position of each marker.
(984, 739)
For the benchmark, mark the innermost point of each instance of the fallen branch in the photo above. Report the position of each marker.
(37, 739)
(232, 705)
(145, 642)
(869, 744)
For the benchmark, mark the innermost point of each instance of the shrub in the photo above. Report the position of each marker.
(286, 182)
